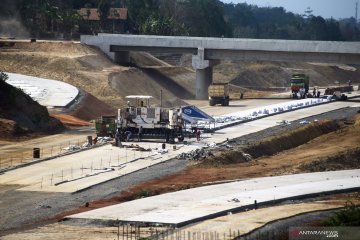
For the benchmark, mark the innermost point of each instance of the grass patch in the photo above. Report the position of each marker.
(143, 193)
(349, 216)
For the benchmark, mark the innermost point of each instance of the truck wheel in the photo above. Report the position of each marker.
(181, 138)
(211, 103)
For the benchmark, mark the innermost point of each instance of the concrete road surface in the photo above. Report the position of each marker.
(85, 169)
(187, 206)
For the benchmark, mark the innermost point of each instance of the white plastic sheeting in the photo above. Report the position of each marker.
(262, 111)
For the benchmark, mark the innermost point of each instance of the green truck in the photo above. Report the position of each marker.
(106, 126)
(299, 81)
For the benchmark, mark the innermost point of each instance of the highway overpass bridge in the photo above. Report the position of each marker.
(208, 51)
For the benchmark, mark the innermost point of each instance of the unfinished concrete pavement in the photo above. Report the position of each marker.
(85, 169)
(192, 205)
(81, 170)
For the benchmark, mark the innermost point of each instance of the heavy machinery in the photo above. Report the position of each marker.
(142, 121)
(219, 94)
(105, 126)
(297, 82)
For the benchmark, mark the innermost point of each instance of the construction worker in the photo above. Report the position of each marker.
(128, 136)
(140, 133)
(198, 134)
(118, 138)
(302, 92)
(318, 94)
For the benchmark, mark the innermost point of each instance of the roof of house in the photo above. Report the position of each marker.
(93, 14)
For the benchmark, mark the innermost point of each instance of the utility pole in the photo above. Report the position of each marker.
(356, 11)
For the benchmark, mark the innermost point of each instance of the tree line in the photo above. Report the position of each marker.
(203, 18)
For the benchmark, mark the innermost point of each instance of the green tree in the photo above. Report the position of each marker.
(350, 29)
(141, 10)
(205, 18)
(317, 28)
(163, 26)
(157, 17)
(104, 10)
(333, 30)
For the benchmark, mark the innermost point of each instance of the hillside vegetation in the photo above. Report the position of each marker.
(203, 18)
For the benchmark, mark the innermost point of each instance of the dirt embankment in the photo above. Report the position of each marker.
(286, 141)
(90, 108)
(259, 75)
(79, 65)
(22, 116)
(90, 70)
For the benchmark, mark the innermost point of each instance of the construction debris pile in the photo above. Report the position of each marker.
(136, 147)
(195, 155)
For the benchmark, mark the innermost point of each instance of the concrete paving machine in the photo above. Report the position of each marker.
(141, 121)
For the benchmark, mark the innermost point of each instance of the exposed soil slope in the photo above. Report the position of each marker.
(20, 115)
(90, 108)
(90, 70)
(259, 75)
(79, 65)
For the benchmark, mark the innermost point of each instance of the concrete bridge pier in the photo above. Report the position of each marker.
(203, 80)
(204, 74)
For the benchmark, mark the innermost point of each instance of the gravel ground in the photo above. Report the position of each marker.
(23, 210)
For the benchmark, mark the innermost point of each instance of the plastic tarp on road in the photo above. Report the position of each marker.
(192, 114)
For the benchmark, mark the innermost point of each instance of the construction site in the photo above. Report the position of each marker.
(91, 149)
